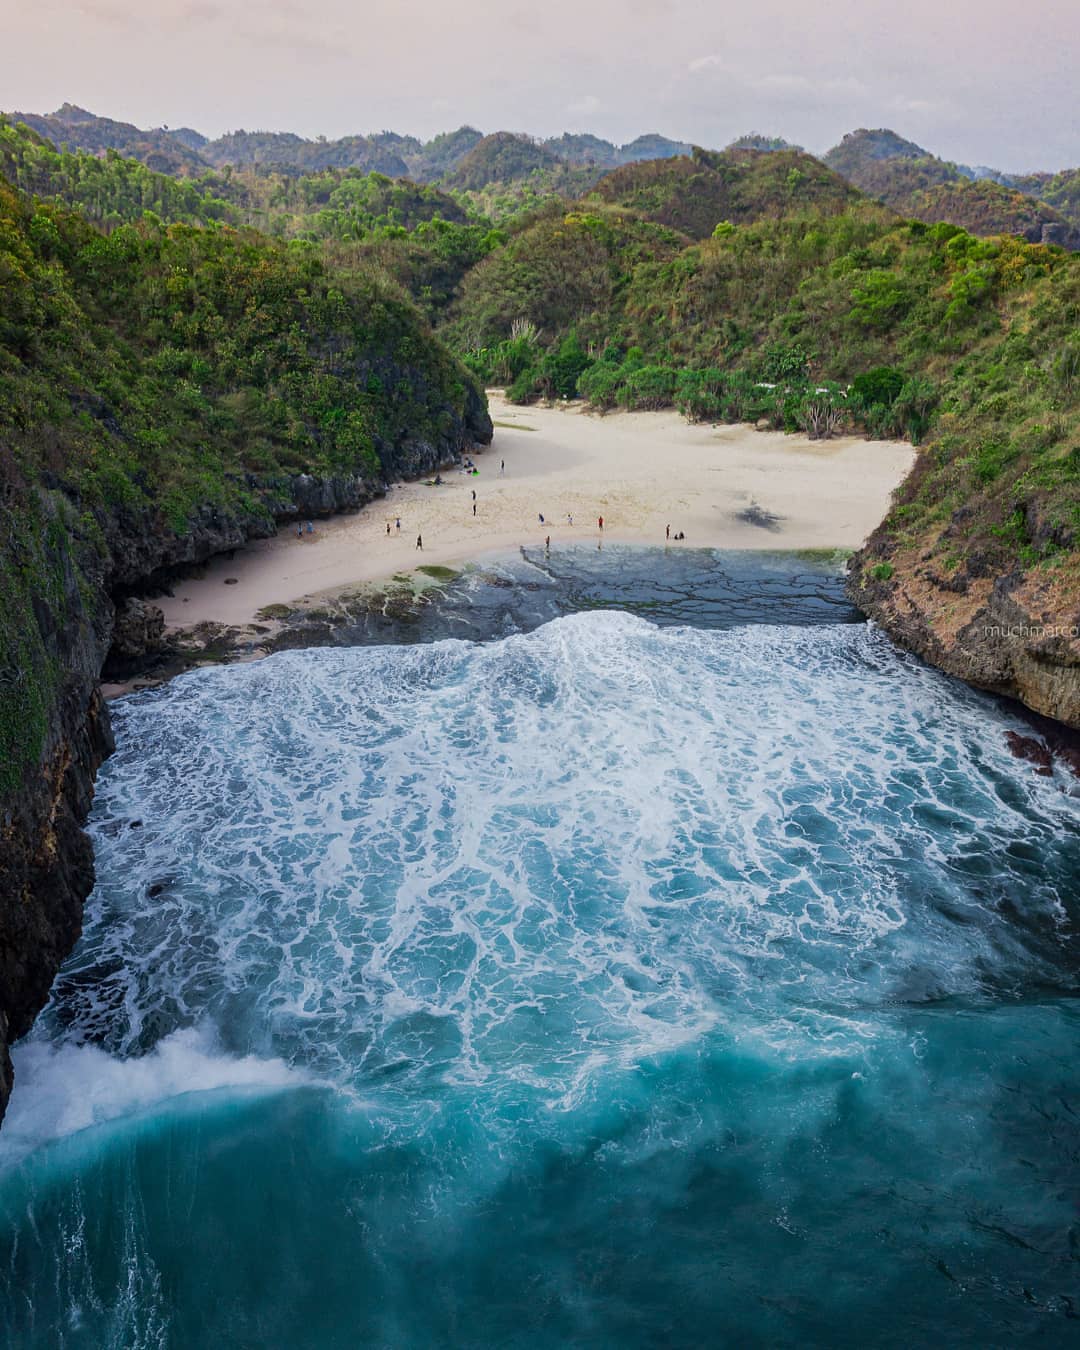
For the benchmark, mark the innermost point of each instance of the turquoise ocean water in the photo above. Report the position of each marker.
(604, 982)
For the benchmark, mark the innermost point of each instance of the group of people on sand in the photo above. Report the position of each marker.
(668, 535)
(569, 520)
(397, 530)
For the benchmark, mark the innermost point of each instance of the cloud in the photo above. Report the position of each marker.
(584, 106)
(167, 13)
(788, 85)
(711, 62)
(915, 106)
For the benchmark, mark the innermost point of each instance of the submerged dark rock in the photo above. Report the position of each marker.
(1034, 751)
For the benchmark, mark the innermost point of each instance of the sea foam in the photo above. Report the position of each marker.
(65, 1088)
(658, 986)
(529, 858)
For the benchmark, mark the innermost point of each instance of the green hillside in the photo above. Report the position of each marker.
(502, 158)
(108, 189)
(695, 193)
(1059, 190)
(504, 174)
(284, 150)
(861, 148)
(916, 183)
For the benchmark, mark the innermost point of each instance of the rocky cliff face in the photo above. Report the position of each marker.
(1017, 634)
(46, 863)
(64, 609)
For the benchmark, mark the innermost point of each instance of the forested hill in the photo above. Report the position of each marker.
(71, 127)
(159, 373)
(185, 151)
(1042, 207)
(694, 193)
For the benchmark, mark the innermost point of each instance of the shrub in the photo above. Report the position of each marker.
(785, 362)
(650, 387)
(599, 384)
(562, 367)
(526, 387)
(699, 394)
(881, 385)
(880, 299)
(914, 407)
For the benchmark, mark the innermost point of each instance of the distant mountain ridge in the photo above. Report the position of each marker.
(1043, 207)
(185, 150)
(72, 127)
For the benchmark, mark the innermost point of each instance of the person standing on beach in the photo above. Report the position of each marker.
(569, 518)
(388, 529)
(299, 529)
(502, 465)
(474, 494)
(540, 517)
(474, 508)
(397, 523)
(547, 544)
(600, 522)
(420, 542)
(667, 531)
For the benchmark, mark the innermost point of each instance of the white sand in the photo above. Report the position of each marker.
(640, 471)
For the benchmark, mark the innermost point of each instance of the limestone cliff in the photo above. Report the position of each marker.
(1016, 634)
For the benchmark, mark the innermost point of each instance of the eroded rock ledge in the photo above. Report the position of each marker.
(1017, 635)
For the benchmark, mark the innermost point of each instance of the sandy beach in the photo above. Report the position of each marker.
(640, 471)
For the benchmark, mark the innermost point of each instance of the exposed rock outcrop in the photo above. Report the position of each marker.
(137, 628)
(1017, 635)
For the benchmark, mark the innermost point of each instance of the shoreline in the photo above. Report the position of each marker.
(723, 486)
(210, 642)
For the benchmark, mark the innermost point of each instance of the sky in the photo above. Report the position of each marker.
(976, 81)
